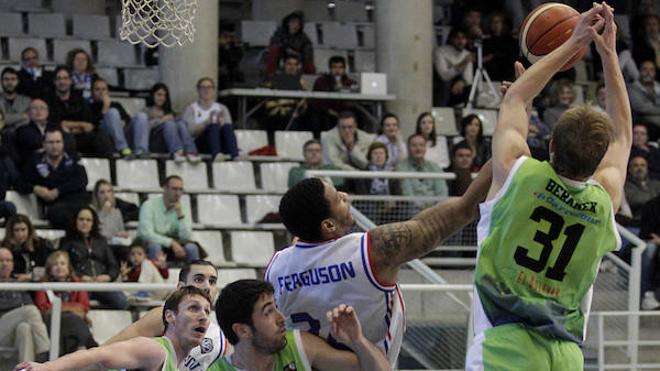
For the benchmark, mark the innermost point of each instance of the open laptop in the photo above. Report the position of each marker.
(373, 83)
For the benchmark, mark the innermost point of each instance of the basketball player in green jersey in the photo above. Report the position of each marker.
(186, 317)
(545, 227)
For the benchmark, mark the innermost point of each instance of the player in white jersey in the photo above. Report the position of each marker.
(201, 274)
(328, 266)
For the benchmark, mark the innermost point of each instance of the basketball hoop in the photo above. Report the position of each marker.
(158, 22)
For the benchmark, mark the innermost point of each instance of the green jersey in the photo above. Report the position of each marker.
(170, 359)
(541, 240)
(291, 358)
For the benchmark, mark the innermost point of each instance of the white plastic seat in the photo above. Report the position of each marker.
(79, 6)
(211, 241)
(234, 176)
(131, 105)
(445, 121)
(46, 24)
(116, 53)
(257, 33)
(91, 26)
(137, 174)
(316, 10)
(25, 204)
(441, 143)
(96, 168)
(110, 75)
(229, 275)
(140, 78)
(289, 144)
(257, 206)
(105, 323)
(218, 210)
(311, 31)
(365, 61)
(17, 44)
(193, 175)
(368, 35)
(173, 275)
(131, 197)
(488, 118)
(249, 140)
(185, 200)
(11, 24)
(275, 176)
(62, 47)
(252, 248)
(340, 35)
(51, 234)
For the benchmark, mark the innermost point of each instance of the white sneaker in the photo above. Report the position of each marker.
(650, 302)
(178, 157)
(194, 158)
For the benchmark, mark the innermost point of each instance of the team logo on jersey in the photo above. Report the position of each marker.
(290, 367)
(206, 345)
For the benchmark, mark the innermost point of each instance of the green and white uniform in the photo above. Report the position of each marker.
(541, 240)
(291, 358)
(170, 358)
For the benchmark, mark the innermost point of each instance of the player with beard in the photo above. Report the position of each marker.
(255, 328)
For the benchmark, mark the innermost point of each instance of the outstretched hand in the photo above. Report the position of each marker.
(606, 41)
(590, 23)
(344, 324)
(31, 366)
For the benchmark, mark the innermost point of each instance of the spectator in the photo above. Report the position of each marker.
(55, 178)
(462, 162)
(8, 177)
(14, 106)
(71, 111)
(165, 223)
(112, 226)
(74, 331)
(650, 232)
(163, 122)
(230, 54)
(471, 23)
(313, 160)
(282, 113)
(639, 188)
(641, 147)
(290, 39)
(601, 98)
(390, 135)
(115, 121)
(435, 152)
(645, 98)
(336, 80)
(500, 49)
(472, 131)
(561, 99)
(416, 162)
(377, 155)
(145, 270)
(21, 325)
(82, 70)
(346, 146)
(647, 45)
(452, 62)
(29, 141)
(210, 123)
(33, 80)
(91, 256)
(29, 250)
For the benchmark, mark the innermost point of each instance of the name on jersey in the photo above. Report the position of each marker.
(317, 276)
(564, 196)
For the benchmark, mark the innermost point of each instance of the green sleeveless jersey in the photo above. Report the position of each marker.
(291, 358)
(541, 240)
(170, 360)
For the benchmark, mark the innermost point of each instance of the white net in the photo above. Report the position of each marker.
(158, 22)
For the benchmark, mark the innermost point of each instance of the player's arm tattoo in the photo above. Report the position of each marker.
(387, 240)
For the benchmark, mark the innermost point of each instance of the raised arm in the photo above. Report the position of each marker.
(392, 245)
(611, 172)
(150, 325)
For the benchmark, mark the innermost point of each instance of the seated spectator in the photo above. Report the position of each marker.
(647, 45)
(71, 111)
(91, 256)
(14, 106)
(29, 141)
(538, 137)
(562, 97)
(335, 80)
(290, 39)
(601, 98)
(166, 223)
(462, 162)
(8, 177)
(645, 98)
(425, 127)
(145, 270)
(115, 121)
(230, 54)
(313, 160)
(346, 146)
(377, 156)
(390, 135)
(416, 162)
(641, 147)
(639, 188)
(452, 62)
(472, 131)
(165, 127)
(210, 123)
(112, 226)
(74, 330)
(500, 49)
(284, 113)
(650, 232)
(82, 70)
(34, 80)
(21, 324)
(55, 178)
(29, 250)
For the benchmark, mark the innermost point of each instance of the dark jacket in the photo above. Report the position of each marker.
(8, 174)
(74, 109)
(69, 177)
(35, 88)
(97, 111)
(29, 142)
(25, 261)
(100, 260)
(13, 299)
(282, 44)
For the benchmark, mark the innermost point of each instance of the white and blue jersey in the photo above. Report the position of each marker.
(312, 278)
(213, 346)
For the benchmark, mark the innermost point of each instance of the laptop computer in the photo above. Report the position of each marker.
(373, 83)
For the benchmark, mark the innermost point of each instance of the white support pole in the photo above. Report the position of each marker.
(55, 325)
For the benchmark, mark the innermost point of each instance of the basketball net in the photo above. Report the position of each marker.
(158, 22)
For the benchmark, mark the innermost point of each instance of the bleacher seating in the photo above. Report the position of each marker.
(51, 234)
(368, 37)
(17, 44)
(445, 121)
(47, 24)
(488, 118)
(97, 168)
(62, 47)
(137, 174)
(234, 176)
(257, 33)
(218, 210)
(354, 11)
(116, 54)
(257, 206)
(194, 175)
(173, 275)
(211, 241)
(317, 10)
(275, 175)
(249, 140)
(106, 322)
(312, 31)
(322, 56)
(289, 144)
(131, 105)
(26, 204)
(339, 35)
(129, 197)
(364, 60)
(11, 24)
(91, 26)
(140, 78)
(252, 248)
(111, 75)
(228, 275)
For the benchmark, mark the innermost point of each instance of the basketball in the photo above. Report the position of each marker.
(547, 27)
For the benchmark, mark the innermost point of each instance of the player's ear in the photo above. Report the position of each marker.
(328, 226)
(170, 316)
(242, 330)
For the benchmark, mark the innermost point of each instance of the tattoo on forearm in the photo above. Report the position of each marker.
(390, 239)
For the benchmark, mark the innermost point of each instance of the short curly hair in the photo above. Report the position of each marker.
(303, 207)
